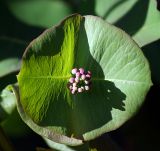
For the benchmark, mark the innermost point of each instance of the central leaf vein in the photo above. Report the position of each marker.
(123, 81)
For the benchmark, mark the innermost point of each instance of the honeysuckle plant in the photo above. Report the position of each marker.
(81, 79)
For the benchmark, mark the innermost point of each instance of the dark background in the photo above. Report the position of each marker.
(138, 134)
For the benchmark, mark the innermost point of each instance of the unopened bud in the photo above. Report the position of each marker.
(71, 80)
(79, 89)
(87, 87)
(86, 82)
(77, 79)
(74, 71)
(83, 76)
(81, 70)
(78, 74)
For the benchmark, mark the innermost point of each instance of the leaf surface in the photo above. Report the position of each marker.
(120, 80)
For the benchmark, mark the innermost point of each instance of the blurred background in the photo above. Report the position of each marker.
(23, 20)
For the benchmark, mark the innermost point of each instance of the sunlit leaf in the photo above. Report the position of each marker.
(43, 13)
(120, 80)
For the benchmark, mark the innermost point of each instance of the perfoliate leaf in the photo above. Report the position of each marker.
(120, 80)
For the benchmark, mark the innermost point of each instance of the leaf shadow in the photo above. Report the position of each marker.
(113, 7)
(135, 18)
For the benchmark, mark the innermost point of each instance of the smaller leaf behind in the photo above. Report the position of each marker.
(8, 66)
(7, 103)
(43, 13)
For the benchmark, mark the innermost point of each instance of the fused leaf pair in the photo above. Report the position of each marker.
(120, 80)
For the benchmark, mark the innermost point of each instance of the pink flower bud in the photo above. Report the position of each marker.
(81, 70)
(75, 88)
(76, 79)
(78, 74)
(71, 80)
(80, 81)
(74, 84)
(80, 90)
(89, 72)
(88, 76)
(74, 71)
(83, 76)
(70, 87)
(73, 91)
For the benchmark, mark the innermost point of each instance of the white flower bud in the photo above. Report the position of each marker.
(86, 82)
(87, 87)
(83, 76)
(80, 90)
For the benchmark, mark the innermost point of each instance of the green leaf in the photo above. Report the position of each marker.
(149, 32)
(144, 28)
(8, 66)
(57, 146)
(113, 10)
(10, 53)
(7, 103)
(120, 80)
(102, 143)
(9, 116)
(43, 13)
(123, 14)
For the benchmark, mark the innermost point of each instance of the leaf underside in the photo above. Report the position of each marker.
(120, 79)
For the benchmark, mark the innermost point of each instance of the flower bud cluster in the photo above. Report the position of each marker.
(80, 81)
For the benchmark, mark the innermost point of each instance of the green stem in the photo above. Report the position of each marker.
(5, 144)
